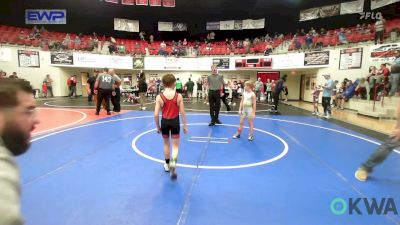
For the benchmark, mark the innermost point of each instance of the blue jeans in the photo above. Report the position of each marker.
(394, 81)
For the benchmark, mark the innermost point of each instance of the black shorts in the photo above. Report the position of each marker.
(180, 91)
(170, 127)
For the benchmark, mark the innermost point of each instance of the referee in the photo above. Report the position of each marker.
(216, 85)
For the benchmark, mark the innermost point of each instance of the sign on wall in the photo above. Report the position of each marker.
(138, 63)
(316, 58)
(126, 25)
(265, 63)
(384, 53)
(28, 58)
(222, 63)
(350, 58)
(45, 16)
(62, 58)
(288, 61)
(172, 63)
(101, 61)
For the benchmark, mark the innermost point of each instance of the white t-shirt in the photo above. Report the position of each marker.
(248, 99)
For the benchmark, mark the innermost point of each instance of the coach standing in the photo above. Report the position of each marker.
(104, 89)
(278, 89)
(116, 99)
(216, 85)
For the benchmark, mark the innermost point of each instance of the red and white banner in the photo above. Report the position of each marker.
(169, 3)
(142, 2)
(112, 1)
(155, 2)
(127, 2)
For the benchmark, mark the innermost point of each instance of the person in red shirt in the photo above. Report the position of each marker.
(72, 86)
(171, 104)
(385, 72)
(44, 89)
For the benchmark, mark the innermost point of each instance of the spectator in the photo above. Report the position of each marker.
(362, 89)
(184, 42)
(90, 44)
(44, 89)
(384, 73)
(335, 93)
(116, 97)
(42, 29)
(340, 96)
(77, 41)
(212, 36)
(268, 49)
(151, 39)
(342, 36)
(21, 36)
(309, 41)
(258, 89)
(122, 48)
(322, 31)
(141, 36)
(179, 86)
(297, 44)
(199, 84)
(379, 30)
(350, 91)
(189, 89)
(142, 90)
(72, 86)
(18, 118)
(13, 75)
(395, 75)
(49, 84)
(268, 89)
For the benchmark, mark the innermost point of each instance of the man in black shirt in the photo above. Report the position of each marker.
(278, 89)
(90, 82)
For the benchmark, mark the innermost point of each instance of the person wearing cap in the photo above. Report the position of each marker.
(327, 95)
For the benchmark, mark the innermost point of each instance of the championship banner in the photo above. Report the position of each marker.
(316, 58)
(352, 7)
(179, 27)
(253, 24)
(238, 25)
(227, 25)
(309, 14)
(380, 3)
(126, 25)
(155, 2)
(28, 58)
(62, 58)
(127, 2)
(384, 53)
(142, 2)
(112, 1)
(169, 3)
(165, 26)
(329, 10)
(213, 26)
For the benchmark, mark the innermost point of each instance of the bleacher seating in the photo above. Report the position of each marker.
(11, 34)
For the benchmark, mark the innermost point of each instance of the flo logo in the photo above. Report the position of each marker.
(370, 15)
(363, 206)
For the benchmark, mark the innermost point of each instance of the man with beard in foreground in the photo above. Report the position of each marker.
(17, 119)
